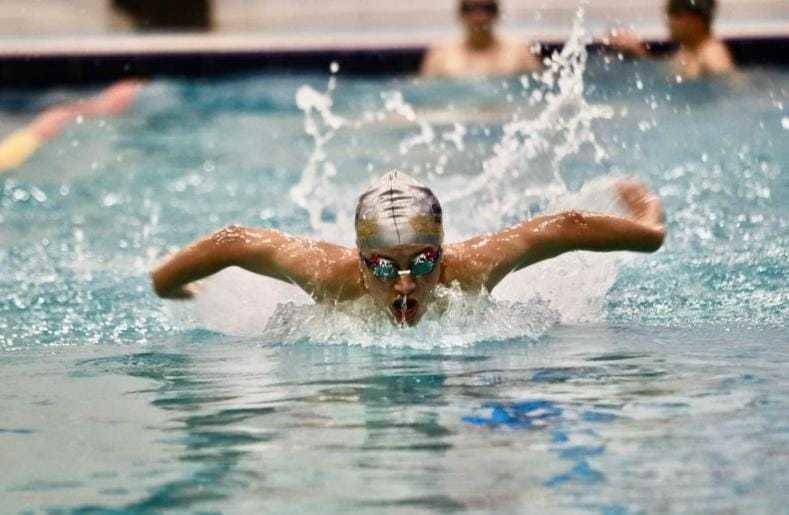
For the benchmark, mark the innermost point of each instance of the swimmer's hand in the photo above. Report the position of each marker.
(643, 205)
(626, 42)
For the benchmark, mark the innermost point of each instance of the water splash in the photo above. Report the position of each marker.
(321, 125)
(455, 319)
(525, 168)
(522, 174)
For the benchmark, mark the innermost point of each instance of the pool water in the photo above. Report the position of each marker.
(593, 383)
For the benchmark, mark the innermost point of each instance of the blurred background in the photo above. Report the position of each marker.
(422, 19)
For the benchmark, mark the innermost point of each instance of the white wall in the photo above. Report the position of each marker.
(61, 17)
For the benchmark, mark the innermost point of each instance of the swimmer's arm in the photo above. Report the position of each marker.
(491, 258)
(323, 270)
(626, 42)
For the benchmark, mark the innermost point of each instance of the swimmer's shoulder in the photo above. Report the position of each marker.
(344, 281)
(441, 58)
(462, 266)
(329, 272)
(715, 57)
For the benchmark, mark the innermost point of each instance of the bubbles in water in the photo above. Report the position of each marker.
(454, 319)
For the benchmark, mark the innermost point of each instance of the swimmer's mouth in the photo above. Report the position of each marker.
(404, 310)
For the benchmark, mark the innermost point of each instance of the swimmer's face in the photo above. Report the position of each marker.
(479, 15)
(406, 296)
(684, 26)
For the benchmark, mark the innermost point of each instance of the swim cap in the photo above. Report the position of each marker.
(704, 8)
(398, 210)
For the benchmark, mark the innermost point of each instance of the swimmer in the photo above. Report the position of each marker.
(400, 255)
(17, 148)
(481, 53)
(700, 53)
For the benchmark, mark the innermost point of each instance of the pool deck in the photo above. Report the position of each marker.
(346, 40)
(364, 41)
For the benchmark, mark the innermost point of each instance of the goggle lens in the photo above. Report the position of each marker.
(386, 269)
(383, 268)
(422, 265)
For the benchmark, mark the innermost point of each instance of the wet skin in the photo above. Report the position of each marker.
(405, 298)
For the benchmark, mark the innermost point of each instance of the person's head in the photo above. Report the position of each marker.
(478, 16)
(399, 234)
(689, 20)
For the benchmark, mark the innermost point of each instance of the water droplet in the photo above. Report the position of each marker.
(639, 84)
(39, 195)
(785, 123)
(334, 67)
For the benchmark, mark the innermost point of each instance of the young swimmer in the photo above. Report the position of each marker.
(481, 52)
(19, 146)
(690, 24)
(400, 255)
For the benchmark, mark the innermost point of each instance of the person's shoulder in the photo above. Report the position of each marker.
(342, 280)
(524, 51)
(715, 47)
(467, 264)
(517, 45)
(716, 53)
(440, 58)
(715, 58)
(445, 47)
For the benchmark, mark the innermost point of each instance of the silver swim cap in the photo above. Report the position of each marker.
(398, 210)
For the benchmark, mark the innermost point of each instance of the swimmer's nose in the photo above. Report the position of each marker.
(404, 284)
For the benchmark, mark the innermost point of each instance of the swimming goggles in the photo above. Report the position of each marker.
(386, 269)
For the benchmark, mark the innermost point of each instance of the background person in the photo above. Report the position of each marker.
(690, 25)
(480, 52)
(17, 148)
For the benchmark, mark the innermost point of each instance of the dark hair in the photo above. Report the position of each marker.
(490, 6)
(702, 8)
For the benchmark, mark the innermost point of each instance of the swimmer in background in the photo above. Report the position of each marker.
(17, 148)
(481, 52)
(400, 256)
(700, 53)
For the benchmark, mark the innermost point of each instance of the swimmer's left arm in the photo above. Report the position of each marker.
(492, 257)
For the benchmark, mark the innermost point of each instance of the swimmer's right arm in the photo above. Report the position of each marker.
(321, 269)
(626, 42)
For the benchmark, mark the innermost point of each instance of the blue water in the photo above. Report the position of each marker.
(603, 384)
